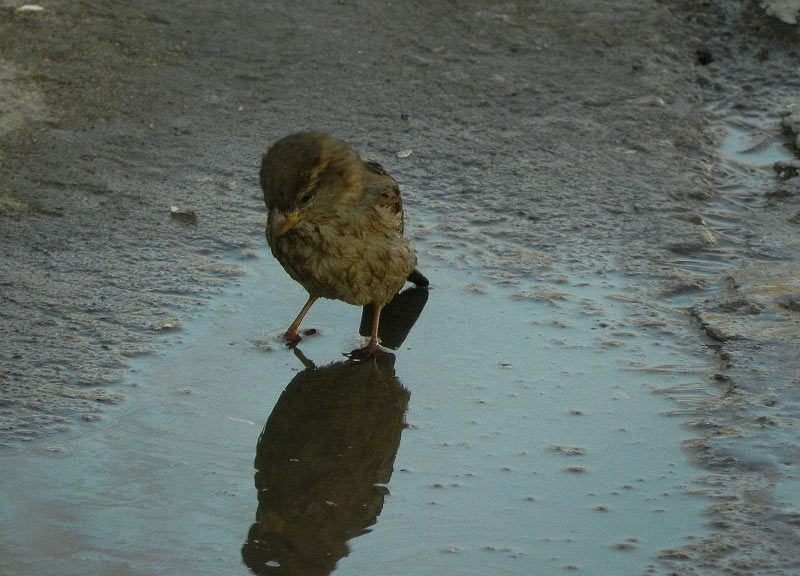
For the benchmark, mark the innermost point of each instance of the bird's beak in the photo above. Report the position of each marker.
(279, 223)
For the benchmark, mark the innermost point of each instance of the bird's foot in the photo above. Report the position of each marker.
(293, 338)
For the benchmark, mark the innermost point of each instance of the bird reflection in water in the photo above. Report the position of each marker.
(326, 454)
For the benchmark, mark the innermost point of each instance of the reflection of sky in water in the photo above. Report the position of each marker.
(494, 480)
(754, 146)
(535, 444)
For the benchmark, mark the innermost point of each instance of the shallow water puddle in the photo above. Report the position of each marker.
(749, 152)
(534, 444)
(754, 145)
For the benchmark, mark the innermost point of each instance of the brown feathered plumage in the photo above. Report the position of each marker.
(335, 223)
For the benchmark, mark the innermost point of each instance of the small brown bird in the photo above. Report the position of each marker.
(335, 223)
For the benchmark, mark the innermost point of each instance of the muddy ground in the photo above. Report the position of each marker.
(576, 136)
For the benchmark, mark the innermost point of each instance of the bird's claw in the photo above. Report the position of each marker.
(292, 339)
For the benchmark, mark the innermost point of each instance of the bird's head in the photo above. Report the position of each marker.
(307, 175)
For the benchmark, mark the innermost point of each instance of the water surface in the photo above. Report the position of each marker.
(533, 441)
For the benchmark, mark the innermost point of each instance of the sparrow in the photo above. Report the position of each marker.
(335, 224)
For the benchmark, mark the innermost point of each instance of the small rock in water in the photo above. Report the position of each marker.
(568, 450)
(166, 326)
(628, 544)
(785, 170)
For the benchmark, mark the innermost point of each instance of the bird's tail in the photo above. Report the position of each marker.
(418, 278)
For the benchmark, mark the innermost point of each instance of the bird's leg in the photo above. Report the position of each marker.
(291, 332)
(371, 349)
(376, 320)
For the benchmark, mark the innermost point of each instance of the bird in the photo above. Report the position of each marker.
(335, 223)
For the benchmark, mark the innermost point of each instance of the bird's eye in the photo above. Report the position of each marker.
(306, 197)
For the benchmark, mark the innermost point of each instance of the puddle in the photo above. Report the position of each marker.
(543, 428)
(749, 153)
(745, 181)
(755, 146)
(534, 444)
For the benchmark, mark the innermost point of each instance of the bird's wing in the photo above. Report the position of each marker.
(383, 194)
